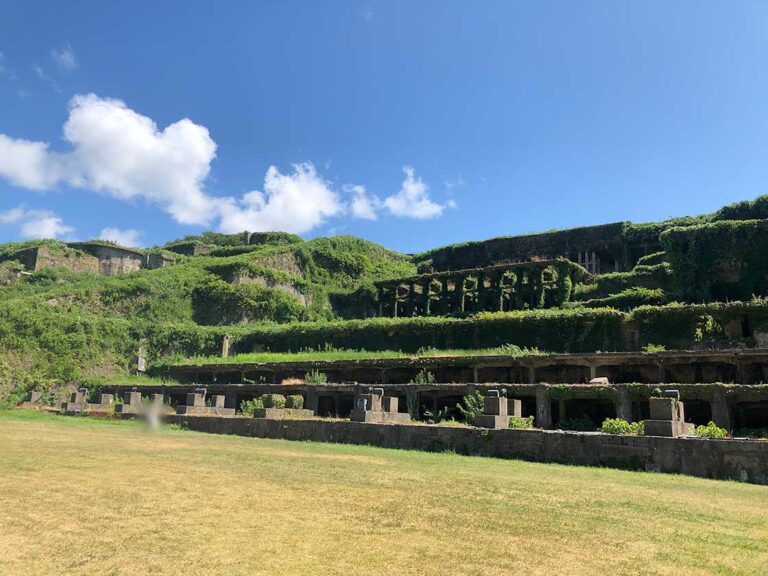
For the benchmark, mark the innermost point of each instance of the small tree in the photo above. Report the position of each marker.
(471, 406)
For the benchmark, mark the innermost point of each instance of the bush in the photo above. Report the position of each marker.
(273, 401)
(294, 401)
(248, 407)
(614, 426)
(424, 377)
(315, 377)
(471, 406)
(521, 423)
(711, 430)
(583, 424)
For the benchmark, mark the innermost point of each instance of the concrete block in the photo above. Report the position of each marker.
(389, 404)
(218, 400)
(496, 422)
(494, 406)
(663, 408)
(515, 407)
(195, 400)
(106, 399)
(370, 402)
(156, 399)
(132, 398)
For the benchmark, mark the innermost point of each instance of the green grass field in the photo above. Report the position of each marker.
(80, 496)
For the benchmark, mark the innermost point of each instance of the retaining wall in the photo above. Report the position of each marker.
(744, 460)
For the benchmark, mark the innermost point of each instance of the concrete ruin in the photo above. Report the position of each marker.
(668, 418)
(496, 410)
(497, 288)
(373, 406)
(195, 404)
(131, 403)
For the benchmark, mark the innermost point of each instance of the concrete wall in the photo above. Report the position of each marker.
(113, 260)
(743, 460)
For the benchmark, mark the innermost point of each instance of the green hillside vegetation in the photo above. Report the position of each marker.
(700, 283)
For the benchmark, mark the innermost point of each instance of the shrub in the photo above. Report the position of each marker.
(471, 406)
(650, 348)
(711, 430)
(440, 416)
(583, 424)
(248, 407)
(424, 377)
(315, 377)
(521, 423)
(273, 400)
(295, 401)
(615, 426)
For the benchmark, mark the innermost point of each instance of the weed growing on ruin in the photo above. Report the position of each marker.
(521, 423)
(316, 377)
(711, 430)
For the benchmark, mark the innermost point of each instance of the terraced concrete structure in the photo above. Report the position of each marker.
(496, 288)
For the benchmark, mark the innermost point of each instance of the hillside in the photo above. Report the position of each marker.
(72, 311)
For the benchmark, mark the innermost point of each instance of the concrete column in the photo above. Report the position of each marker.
(231, 400)
(562, 408)
(381, 301)
(336, 404)
(662, 373)
(721, 411)
(624, 404)
(475, 376)
(412, 401)
(444, 299)
(531, 375)
(312, 398)
(480, 293)
(592, 372)
(543, 407)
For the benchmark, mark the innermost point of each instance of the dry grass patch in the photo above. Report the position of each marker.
(92, 497)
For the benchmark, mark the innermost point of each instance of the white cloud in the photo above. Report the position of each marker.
(121, 153)
(412, 201)
(457, 182)
(363, 205)
(36, 223)
(296, 202)
(129, 237)
(64, 57)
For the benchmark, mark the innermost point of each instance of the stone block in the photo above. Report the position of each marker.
(495, 406)
(668, 428)
(35, 396)
(514, 407)
(156, 399)
(389, 404)
(77, 398)
(663, 408)
(282, 413)
(218, 400)
(205, 411)
(194, 399)
(132, 398)
(496, 422)
(371, 402)
(106, 399)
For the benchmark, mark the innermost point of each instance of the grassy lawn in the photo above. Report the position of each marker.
(82, 496)
(351, 355)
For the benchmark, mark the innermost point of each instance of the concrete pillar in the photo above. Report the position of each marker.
(592, 372)
(381, 301)
(480, 293)
(662, 373)
(412, 401)
(543, 407)
(562, 408)
(336, 404)
(721, 410)
(231, 400)
(475, 376)
(531, 375)
(312, 398)
(624, 404)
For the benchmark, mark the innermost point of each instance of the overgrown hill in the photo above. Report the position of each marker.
(687, 282)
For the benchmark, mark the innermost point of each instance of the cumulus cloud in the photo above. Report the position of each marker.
(296, 202)
(129, 237)
(36, 223)
(362, 205)
(412, 200)
(64, 57)
(121, 153)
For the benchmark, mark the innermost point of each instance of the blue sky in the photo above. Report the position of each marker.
(412, 124)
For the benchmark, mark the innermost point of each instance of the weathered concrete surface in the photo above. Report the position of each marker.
(745, 460)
